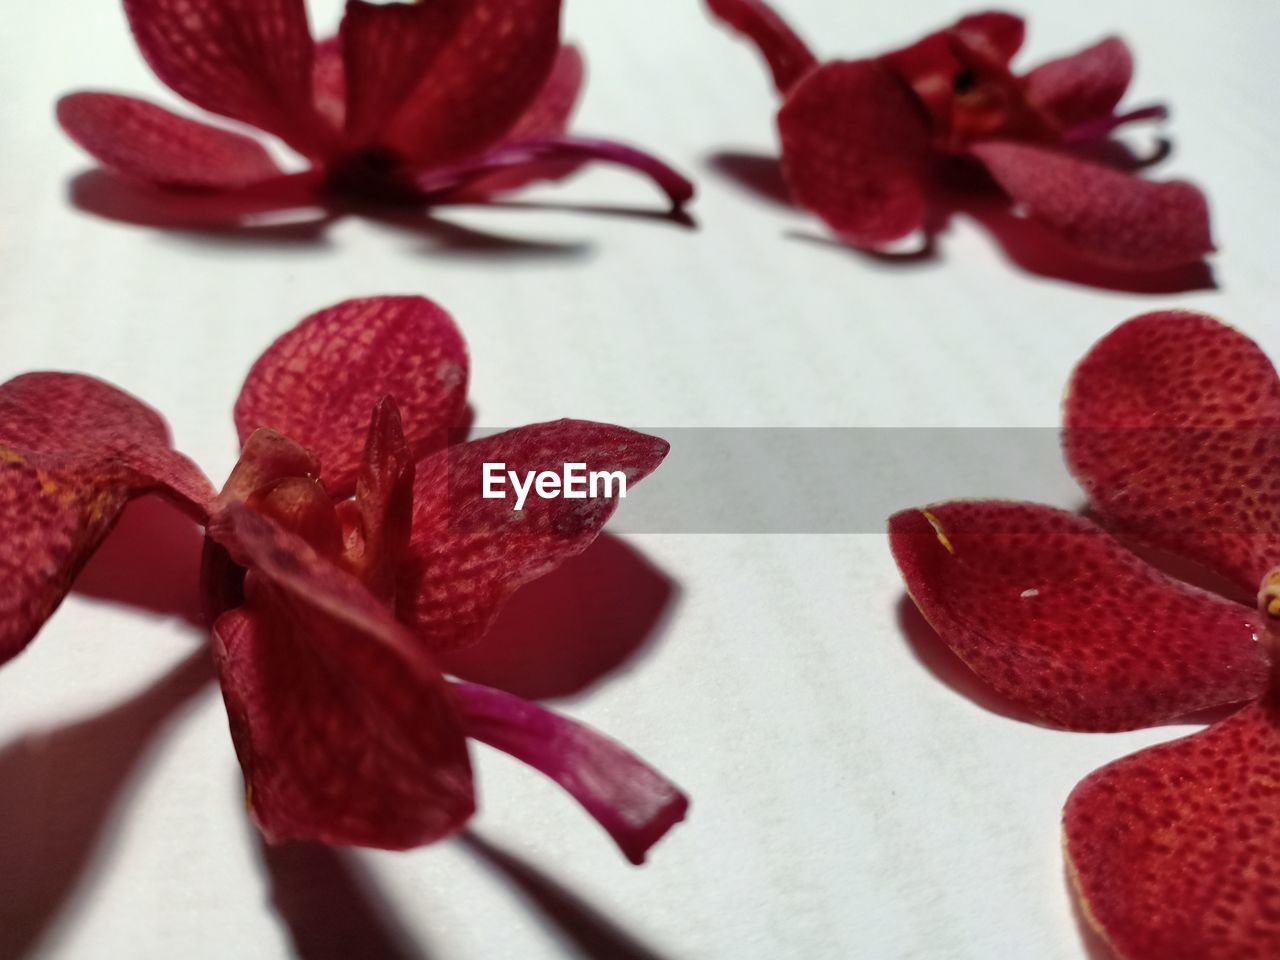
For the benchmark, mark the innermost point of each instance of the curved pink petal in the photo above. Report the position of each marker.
(855, 147)
(250, 60)
(345, 730)
(480, 84)
(995, 34)
(318, 383)
(1057, 616)
(634, 803)
(467, 554)
(788, 57)
(146, 142)
(514, 164)
(73, 452)
(387, 50)
(384, 503)
(1110, 217)
(1172, 425)
(1174, 850)
(1084, 86)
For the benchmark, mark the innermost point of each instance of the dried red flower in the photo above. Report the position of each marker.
(345, 551)
(409, 104)
(867, 143)
(1172, 423)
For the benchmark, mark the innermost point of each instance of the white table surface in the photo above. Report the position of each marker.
(847, 800)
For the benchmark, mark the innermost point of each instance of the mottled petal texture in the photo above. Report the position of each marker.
(73, 452)
(1174, 850)
(855, 146)
(319, 382)
(250, 60)
(1083, 86)
(1172, 424)
(146, 142)
(1110, 217)
(468, 554)
(345, 730)
(1057, 616)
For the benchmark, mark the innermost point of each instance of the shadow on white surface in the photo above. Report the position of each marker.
(568, 630)
(59, 787)
(936, 657)
(331, 907)
(582, 929)
(970, 193)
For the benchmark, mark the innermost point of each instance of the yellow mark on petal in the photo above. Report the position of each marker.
(1269, 594)
(941, 533)
(10, 456)
(248, 796)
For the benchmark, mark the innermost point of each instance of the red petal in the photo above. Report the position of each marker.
(386, 51)
(635, 803)
(250, 60)
(481, 84)
(1174, 849)
(514, 164)
(855, 144)
(1107, 216)
(788, 57)
(1173, 426)
(546, 119)
(73, 452)
(345, 730)
(318, 382)
(1058, 617)
(146, 142)
(384, 500)
(1083, 86)
(550, 112)
(329, 83)
(995, 34)
(468, 554)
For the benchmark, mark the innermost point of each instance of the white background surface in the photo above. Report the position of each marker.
(847, 802)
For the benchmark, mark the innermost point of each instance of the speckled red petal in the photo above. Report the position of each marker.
(1172, 424)
(1175, 851)
(387, 49)
(146, 142)
(1110, 217)
(1057, 616)
(1083, 86)
(468, 554)
(318, 383)
(855, 146)
(788, 57)
(345, 730)
(481, 84)
(73, 452)
(634, 803)
(250, 60)
(995, 34)
(329, 83)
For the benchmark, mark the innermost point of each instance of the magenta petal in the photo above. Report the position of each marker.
(634, 803)
(147, 142)
(550, 158)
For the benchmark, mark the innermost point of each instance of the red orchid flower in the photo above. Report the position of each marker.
(409, 104)
(345, 551)
(866, 142)
(1172, 424)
